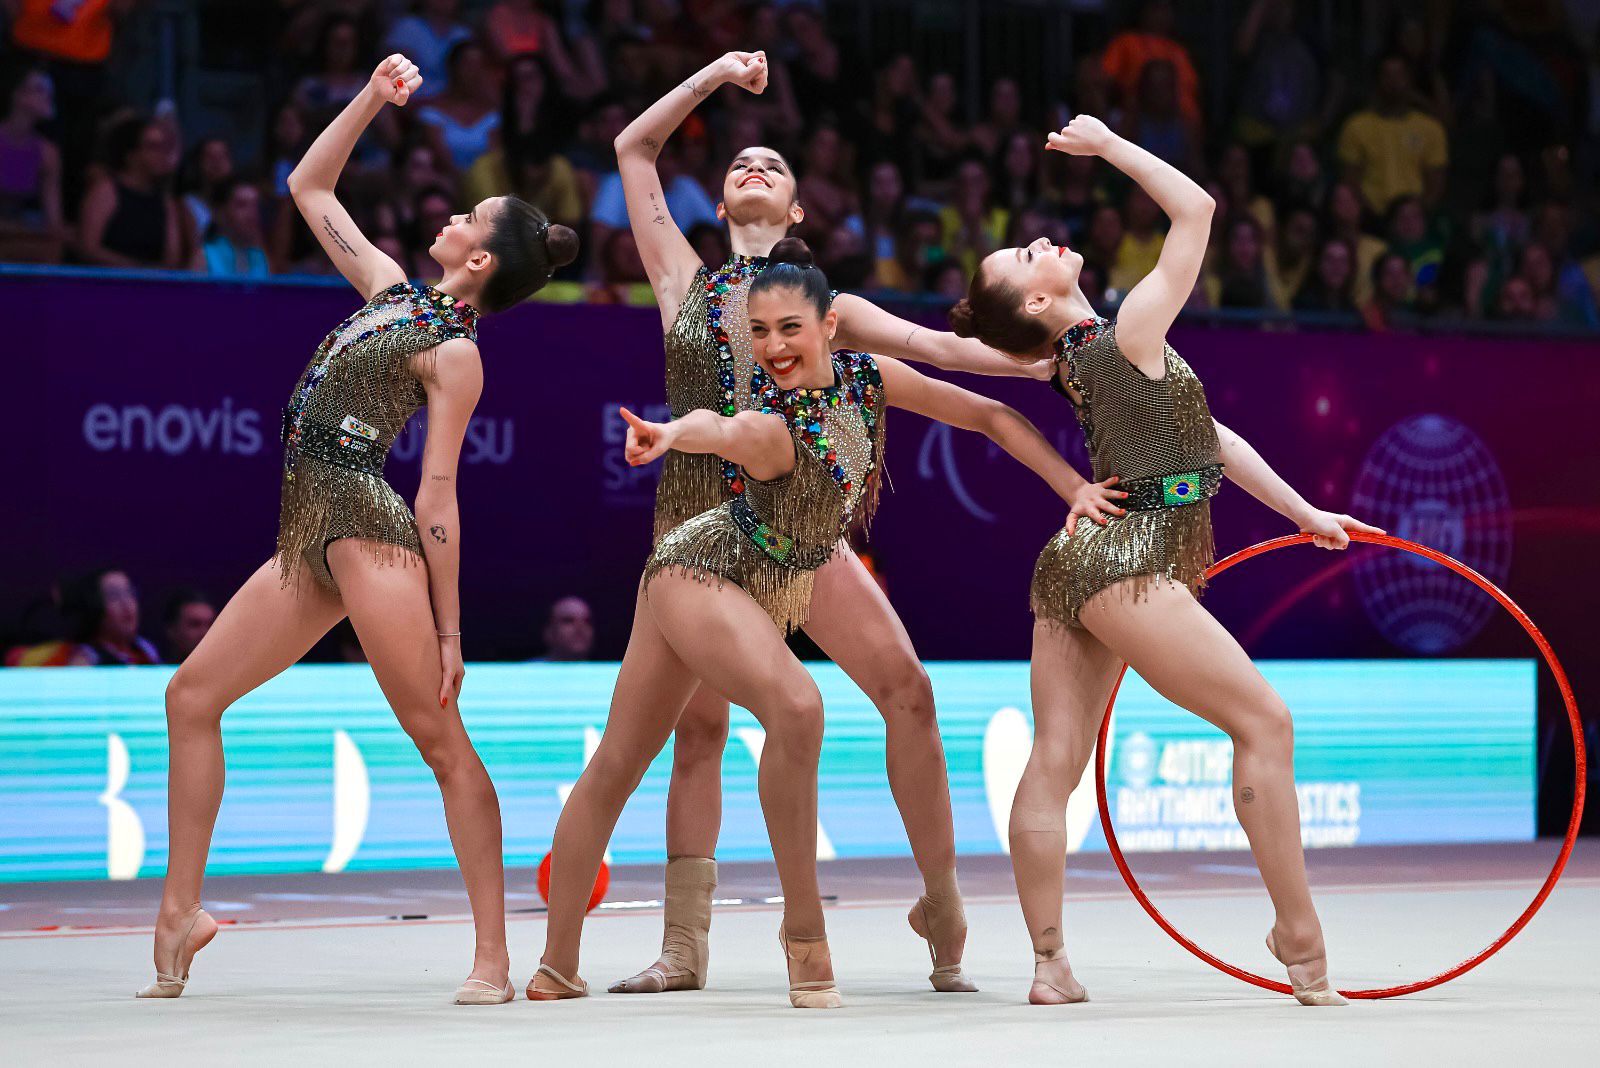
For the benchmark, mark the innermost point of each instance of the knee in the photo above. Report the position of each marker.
(1268, 726)
(700, 739)
(794, 723)
(906, 698)
(189, 704)
(1055, 766)
(443, 751)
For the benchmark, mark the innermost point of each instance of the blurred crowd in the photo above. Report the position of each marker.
(1428, 159)
(97, 619)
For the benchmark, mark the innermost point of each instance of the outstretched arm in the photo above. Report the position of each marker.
(1257, 478)
(759, 443)
(865, 327)
(1007, 428)
(454, 381)
(1150, 306)
(669, 259)
(312, 182)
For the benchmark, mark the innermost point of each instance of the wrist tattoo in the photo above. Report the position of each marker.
(439, 478)
(439, 534)
(336, 237)
(696, 90)
(910, 335)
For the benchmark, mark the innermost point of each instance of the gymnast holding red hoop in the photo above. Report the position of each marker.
(1121, 587)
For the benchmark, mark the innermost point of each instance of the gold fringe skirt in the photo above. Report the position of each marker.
(691, 484)
(1171, 544)
(711, 548)
(324, 502)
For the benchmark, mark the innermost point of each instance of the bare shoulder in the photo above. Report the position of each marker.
(451, 365)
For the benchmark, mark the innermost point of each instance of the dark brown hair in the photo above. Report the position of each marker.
(527, 248)
(992, 312)
(790, 265)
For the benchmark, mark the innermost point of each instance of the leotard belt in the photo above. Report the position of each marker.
(1171, 491)
(777, 545)
(351, 446)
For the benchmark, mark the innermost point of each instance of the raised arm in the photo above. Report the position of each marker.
(312, 182)
(865, 327)
(1257, 478)
(759, 443)
(453, 379)
(669, 259)
(1007, 428)
(1150, 306)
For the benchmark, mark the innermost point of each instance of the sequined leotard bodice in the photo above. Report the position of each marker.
(709, 365)
(1157, 436)
(770, 540)
(352, 401)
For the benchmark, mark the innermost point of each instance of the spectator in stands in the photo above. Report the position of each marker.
(102, 613)
(892, 113)
(1155, 38)
(823, 82)
(129, 218)
(1411, 236)
(426, 37)
(1236, 174)
(846, 259)
(710, 244)
(1305, 182)
(462, 119)
(942, 138)
(40, 637)
(916, 250)
(235, 248)
(32, 227)
(286, 143)
(1391, 292)
(185, 620)
(1416, 43)
(517, 28)
(1391, 149)
(1502, 227)
(1344, 221)
(947, 280)
(74, 40)
(1101, 244)
(418, 168)
(1004, 118)
(568, 631)
(973, 226)
(1281, 95)
(1331, 287)
(1017, 175)
(1157, 125)
(1291, 256)
(1516, 301)
(622, 275)
(826, 188)
(525, 161)
(880, 219)
(1574, 293)
(1239, 278)
(339, 72)
(1142, 240)
(1558, 297)
(1072, 191)
(209, 165)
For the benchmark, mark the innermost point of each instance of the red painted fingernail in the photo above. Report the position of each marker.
(441, 702)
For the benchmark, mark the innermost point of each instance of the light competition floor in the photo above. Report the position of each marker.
(313, 970)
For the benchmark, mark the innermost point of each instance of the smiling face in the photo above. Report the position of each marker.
(790, 341)
(463, 237)
(759, 188)
(1043, 272)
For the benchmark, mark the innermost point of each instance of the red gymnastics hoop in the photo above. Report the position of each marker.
(1579, 757)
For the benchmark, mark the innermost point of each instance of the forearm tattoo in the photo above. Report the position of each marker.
(439, 534)
(655, 206)
(696, 90)
(336, 237)
(439, 478)
(911, 334)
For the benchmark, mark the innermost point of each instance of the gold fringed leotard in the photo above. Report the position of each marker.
(708, 366)
(350, 404)
(1157, 436)
(770, 540)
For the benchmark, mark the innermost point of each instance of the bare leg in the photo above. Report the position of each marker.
(1189, 658)
(694, 797)
(855, 625)
(263, 629)
(391, 610)
(1072, 677)
(652, 686)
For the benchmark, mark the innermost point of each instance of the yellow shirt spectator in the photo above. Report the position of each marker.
(1136, 257)
(1392, 154)
(557, 196)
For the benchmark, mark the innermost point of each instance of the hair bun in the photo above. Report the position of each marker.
(561, 243)
(792, 250)
(961, 319)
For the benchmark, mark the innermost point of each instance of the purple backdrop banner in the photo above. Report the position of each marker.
(147, 413)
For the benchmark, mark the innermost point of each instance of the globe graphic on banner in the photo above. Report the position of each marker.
(1430, 479)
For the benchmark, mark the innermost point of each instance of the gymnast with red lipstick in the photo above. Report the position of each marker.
(724, 588)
